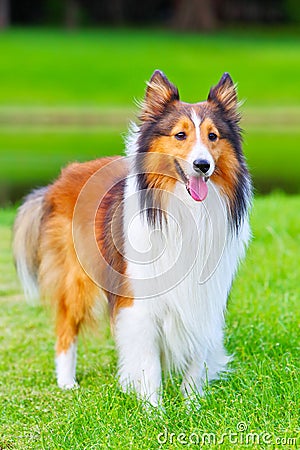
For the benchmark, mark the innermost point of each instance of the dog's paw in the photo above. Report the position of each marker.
(68, 386)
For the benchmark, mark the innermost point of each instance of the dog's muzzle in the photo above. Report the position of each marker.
(196, 185)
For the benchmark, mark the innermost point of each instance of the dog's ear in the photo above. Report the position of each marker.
(159, 93)
(224, 94)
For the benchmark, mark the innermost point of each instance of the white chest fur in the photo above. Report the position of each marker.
(180, 275)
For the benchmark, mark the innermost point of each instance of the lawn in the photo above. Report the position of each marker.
(258, 400)
(109, 67)
(70, 95)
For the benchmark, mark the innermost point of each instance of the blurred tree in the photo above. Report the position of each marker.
(54, 12)
(292, 8)
(117, 11)
(71, 13)
(4, 13)
(195, 15)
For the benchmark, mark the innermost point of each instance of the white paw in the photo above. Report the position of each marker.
(66, 386)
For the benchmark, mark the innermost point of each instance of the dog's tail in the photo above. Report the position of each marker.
(26, 236)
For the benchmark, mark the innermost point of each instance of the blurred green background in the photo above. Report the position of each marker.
(67, 91)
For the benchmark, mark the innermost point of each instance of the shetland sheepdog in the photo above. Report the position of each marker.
(155, 237)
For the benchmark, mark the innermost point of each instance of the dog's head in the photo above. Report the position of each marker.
(195, 143)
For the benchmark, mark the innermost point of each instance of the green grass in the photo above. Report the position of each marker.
(106, 67)
(41, 155)
(262, 331)
(68, 95)
(32, 158)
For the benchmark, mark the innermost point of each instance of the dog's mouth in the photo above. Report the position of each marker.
(196, 185)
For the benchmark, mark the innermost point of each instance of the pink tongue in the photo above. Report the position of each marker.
(198, 188)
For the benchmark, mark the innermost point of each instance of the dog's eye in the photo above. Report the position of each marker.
(181, 136)
(212, 137)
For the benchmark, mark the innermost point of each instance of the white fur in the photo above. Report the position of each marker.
(181, 276)
(66, 367)
(199, 151)
(27, 279)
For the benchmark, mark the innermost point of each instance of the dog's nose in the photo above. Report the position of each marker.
(201, 165)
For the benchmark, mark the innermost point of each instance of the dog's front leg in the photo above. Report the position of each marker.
(194, 381)
(139, 353)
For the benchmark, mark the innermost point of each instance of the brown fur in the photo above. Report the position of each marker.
(158, 94)
(159, 161)
(159, 166)
(62, 276)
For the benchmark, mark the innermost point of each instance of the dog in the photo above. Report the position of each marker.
(154, 237)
